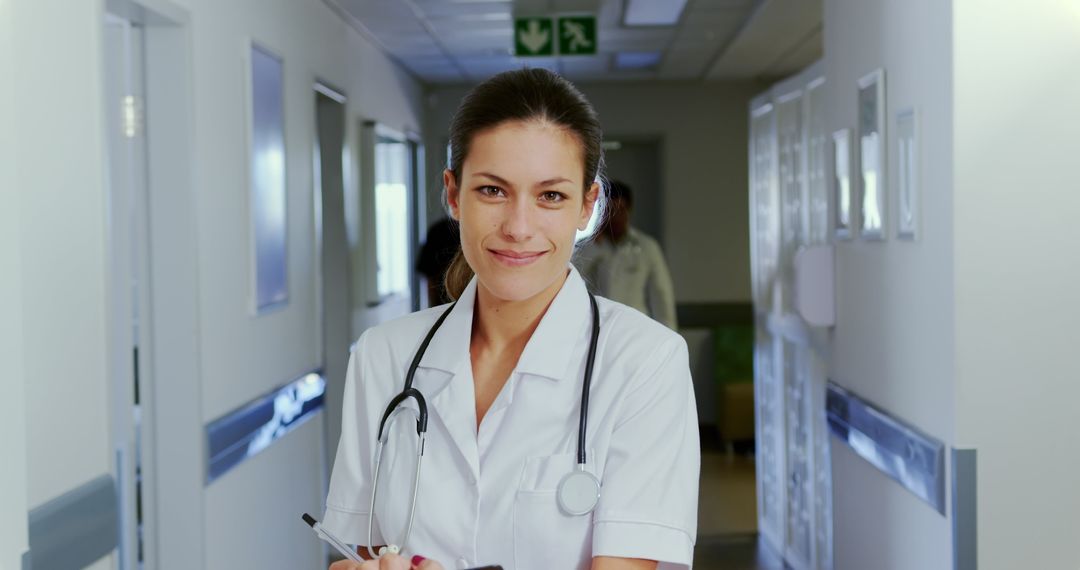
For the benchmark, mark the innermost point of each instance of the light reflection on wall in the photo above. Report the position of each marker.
(288, 407)
(244, 432)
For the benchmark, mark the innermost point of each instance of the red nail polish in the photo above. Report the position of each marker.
(416, 560)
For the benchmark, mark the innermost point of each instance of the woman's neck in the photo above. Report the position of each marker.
(501, 325)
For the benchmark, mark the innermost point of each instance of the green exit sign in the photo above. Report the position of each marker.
(534, 37)
(577, 35)
(537, 37)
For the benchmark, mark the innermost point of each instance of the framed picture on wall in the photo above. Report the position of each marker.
(872, 165)
(843, 190)
(907, 174)
(266, 179)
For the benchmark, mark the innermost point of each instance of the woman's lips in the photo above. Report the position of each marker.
(516, 258)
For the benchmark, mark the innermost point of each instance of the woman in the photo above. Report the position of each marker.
(503, 375)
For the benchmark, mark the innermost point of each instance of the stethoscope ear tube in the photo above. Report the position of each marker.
(421, 403)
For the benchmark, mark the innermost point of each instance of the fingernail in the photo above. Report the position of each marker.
(416, 560)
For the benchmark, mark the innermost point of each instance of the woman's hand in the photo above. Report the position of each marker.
(389, 562)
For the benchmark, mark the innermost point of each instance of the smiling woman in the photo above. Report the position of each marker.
(530, 395)
(524, 122)
(519, 216)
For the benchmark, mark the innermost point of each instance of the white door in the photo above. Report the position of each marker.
(333, 260)
(129, 310)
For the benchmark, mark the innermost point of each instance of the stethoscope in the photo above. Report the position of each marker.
(578, 492)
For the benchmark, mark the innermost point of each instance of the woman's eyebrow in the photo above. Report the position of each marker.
(497, 179)
(503, 182)
(554, 181)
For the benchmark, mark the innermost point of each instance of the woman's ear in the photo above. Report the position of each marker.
(588, 205)
(453, 193)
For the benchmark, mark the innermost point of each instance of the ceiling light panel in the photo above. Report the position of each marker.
(652, 12)
(637, 59)
(465, 12)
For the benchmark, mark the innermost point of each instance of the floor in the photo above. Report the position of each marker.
(727, 513)
(727, 497)
(735, 552)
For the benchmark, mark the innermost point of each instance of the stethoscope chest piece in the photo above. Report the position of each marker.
(578, 492)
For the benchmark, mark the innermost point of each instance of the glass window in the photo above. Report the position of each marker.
(392, 176)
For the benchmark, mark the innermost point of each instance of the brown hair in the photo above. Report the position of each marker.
(521, 95)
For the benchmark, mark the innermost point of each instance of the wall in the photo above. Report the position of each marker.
(894, 339)
(703, 128)
(62, 267)
(13, 540)
(244, 356)
(1017, 139)
(60, 259)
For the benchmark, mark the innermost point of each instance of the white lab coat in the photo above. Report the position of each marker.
(632, 272)
(487, 496)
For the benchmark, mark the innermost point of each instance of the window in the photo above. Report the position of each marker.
(393, 174)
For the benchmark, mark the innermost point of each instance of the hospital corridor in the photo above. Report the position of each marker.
(291, 284)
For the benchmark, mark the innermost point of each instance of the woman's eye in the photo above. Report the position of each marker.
(552, 196)
(490, 191)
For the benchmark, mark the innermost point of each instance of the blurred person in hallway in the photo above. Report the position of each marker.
(626, 265)
(438, 251)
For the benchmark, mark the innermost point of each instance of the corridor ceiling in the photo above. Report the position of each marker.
(465, 41)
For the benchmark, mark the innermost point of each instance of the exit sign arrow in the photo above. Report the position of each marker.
(534, 37)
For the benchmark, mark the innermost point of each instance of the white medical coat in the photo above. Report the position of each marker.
(487, 496)
(632, 272)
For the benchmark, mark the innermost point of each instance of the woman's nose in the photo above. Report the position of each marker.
(518, 223)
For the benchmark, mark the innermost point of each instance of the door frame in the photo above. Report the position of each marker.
(170, 385)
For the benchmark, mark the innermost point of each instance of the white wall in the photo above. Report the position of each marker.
(1017, 99)
(59, 179)
(13, 507)
(59, 254)
(893, 342)
(703, 128)
(245, 356)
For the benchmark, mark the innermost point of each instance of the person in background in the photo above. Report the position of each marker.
(626, 265)
(438, 251)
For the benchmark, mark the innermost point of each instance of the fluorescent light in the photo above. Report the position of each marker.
(637, 59)
(652, 12)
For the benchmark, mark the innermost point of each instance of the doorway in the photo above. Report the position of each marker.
(153, 358)
(636, 162)
(332, 241)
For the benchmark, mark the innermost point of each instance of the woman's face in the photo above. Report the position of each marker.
(520, 201)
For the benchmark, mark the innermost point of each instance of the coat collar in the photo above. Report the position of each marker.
(548, 351)
(450, 393)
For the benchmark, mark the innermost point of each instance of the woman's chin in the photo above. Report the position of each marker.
(514, 286)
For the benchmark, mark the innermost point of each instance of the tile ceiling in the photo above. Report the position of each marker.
(464, 41)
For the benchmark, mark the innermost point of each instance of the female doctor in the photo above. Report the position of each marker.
(513, 372)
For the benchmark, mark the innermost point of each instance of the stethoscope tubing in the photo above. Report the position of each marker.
(408, 391)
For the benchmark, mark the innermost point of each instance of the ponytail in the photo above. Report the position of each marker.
(458, 276)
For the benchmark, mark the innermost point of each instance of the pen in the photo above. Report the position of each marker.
(345, 550)
(331, 539)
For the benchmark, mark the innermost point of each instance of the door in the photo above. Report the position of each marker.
(332, 239)
(128, 252)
